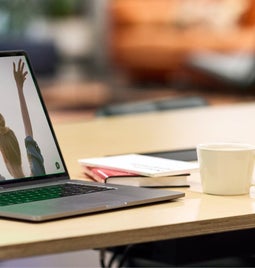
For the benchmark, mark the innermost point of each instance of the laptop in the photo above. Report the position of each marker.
(34, 182)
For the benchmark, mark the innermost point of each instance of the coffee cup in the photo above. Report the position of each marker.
(226, 168)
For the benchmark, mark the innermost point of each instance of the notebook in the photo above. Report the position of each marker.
(34, 182)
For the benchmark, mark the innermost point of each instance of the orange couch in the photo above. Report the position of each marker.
(150, 39)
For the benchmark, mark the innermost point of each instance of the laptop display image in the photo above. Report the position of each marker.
(34, 181)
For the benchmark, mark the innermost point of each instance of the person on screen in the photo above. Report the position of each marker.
(35, 157)
(9, 145)
(10, 150)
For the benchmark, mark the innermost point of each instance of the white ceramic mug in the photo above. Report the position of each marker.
(226, 168)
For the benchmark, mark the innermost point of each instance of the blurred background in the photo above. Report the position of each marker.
(89, 54)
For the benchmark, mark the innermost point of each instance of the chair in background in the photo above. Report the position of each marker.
(151, 39)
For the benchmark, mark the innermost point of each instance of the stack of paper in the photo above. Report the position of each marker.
(138, 170)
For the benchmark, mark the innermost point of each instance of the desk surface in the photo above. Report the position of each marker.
(194, 214)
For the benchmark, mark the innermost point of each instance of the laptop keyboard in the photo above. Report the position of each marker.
(48, 192)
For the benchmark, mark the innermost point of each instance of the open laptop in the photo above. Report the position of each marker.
(39, 188)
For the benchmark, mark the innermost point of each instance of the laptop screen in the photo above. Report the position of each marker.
(28, 148)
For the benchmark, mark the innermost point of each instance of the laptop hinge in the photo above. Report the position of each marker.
(27, 182)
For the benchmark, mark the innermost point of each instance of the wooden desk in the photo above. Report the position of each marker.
(195, 214)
